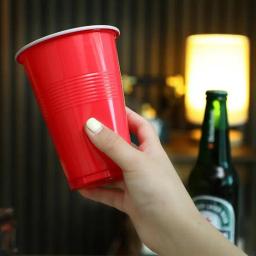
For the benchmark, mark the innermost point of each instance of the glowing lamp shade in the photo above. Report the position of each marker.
(217, 62)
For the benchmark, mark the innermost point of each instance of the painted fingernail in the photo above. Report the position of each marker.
(94, 125)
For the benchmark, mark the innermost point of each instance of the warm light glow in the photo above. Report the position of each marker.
(217, 62)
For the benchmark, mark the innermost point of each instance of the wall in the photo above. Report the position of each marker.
(49, 217)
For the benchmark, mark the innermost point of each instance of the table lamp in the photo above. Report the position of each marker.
(217, 62)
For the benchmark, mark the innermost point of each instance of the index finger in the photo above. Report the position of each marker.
(144, 131)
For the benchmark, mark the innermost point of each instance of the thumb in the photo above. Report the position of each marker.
(114, 146)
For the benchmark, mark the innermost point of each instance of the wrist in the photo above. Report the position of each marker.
(180, 234)
(194, 234)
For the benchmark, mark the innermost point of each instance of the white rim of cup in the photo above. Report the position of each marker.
(64, 32)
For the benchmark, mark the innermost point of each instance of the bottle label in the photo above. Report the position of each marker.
(146, 251)
(219, 212)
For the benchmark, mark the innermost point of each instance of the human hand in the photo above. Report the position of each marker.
(152, 193)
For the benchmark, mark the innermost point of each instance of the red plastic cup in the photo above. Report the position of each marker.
(75, 75)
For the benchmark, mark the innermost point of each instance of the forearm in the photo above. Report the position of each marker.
(196, 237)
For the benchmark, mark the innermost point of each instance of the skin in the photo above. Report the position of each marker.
(153, 195)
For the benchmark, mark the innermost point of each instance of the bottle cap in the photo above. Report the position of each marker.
(216, 94)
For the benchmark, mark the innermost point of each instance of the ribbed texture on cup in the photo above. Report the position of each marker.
(79, 90)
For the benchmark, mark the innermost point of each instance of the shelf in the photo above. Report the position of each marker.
(182, 150)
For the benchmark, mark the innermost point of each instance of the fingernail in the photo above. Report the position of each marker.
(94, 125)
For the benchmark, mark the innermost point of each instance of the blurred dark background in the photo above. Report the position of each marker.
(50, 218)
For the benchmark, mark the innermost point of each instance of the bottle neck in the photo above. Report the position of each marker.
(214, 143)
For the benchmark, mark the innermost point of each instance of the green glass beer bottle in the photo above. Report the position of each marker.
(213, 182)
